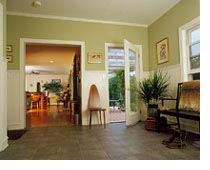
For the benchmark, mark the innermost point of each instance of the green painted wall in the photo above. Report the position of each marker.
(167, 26)
(93, 34)
(3, 2)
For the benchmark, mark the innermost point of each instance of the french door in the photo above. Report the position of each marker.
(132, 76)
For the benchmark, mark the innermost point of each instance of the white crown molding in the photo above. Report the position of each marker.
(164, 12)
(74, 19)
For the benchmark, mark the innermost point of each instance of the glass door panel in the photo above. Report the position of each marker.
(131, 78)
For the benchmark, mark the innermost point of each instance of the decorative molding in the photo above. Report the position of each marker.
(3, 86)
(21, 88)
(75, 19)
(188, 125)
(164, 12)
(15, 126)
(183, 46)
(4, 144)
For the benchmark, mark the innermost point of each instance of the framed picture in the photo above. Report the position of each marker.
(9, 48)
(9, 58)
(94, 57)
(56, 80)
(162, 51)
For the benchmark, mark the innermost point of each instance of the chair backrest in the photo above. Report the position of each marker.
(189, 98)
(94, 98)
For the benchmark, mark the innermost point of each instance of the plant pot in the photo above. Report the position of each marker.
(152, 110)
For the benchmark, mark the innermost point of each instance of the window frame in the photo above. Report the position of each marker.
(184, 44)
(197, 70)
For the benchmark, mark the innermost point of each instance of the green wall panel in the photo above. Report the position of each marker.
(94, 35)
(167, 26)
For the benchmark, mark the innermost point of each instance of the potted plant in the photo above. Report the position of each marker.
(151, 89)
(54, 87)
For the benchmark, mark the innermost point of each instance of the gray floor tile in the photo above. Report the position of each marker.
(116, 142)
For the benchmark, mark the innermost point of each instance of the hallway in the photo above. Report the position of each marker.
(116, 142)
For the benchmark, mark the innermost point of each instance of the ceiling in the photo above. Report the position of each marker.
(136, 12)
(43, 59)
(123, 12)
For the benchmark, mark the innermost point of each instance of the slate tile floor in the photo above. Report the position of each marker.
(116, 142)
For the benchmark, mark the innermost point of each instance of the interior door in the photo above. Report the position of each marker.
(132, 54)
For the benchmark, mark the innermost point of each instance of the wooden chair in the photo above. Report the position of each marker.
(45, 101)
(35, 99)
(187, 103)
(94, 104)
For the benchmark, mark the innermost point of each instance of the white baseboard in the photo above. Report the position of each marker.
(4, 144)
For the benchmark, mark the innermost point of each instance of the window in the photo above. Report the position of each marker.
(194, 53)
(189, 39)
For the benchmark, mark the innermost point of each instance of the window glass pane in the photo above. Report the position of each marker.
(195, 49)
(196, 76)
(115, 60)
(195, 62)
(195, 35)
(133, 99)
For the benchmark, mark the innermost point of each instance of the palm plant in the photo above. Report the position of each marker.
(152, 88)
(159, 85)
(54, 87)
(145, 90)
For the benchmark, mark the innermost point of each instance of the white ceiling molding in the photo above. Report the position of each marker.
(141, 13)
(74, 19)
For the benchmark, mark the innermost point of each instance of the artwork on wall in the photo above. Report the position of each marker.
(56, 80)
(162, 51)
(9, 48)
(9, 51)
(9, 58)
(94, 57)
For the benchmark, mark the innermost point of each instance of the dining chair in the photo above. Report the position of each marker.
(94, 104)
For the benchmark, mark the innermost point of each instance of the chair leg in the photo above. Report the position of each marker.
(100, 116)
(158, 117)
(90, 119)
(177, 118)
(104, 118)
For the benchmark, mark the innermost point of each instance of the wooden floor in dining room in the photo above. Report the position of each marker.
(49, 116)
(55, 116)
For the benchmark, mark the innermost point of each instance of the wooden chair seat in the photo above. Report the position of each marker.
(94, 105)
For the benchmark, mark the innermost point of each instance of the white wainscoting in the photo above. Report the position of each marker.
(100, 80)
(142, 105)
(3, 87)
(174, 73)
(13, 103)
(3, 102)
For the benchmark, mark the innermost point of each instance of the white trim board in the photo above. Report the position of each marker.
(23, 42)
(3, 86)
(75, 19)
(183, 46)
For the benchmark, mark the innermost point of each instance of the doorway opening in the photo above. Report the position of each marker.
(124, 69)
(57, 65)
(116, 77)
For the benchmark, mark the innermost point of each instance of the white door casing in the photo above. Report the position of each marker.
(130, 119)
(3, 88)
(20, 114)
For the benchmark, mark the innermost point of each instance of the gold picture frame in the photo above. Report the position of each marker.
(9, 48)
(9, 58)
(94, 58)
(162, 51)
